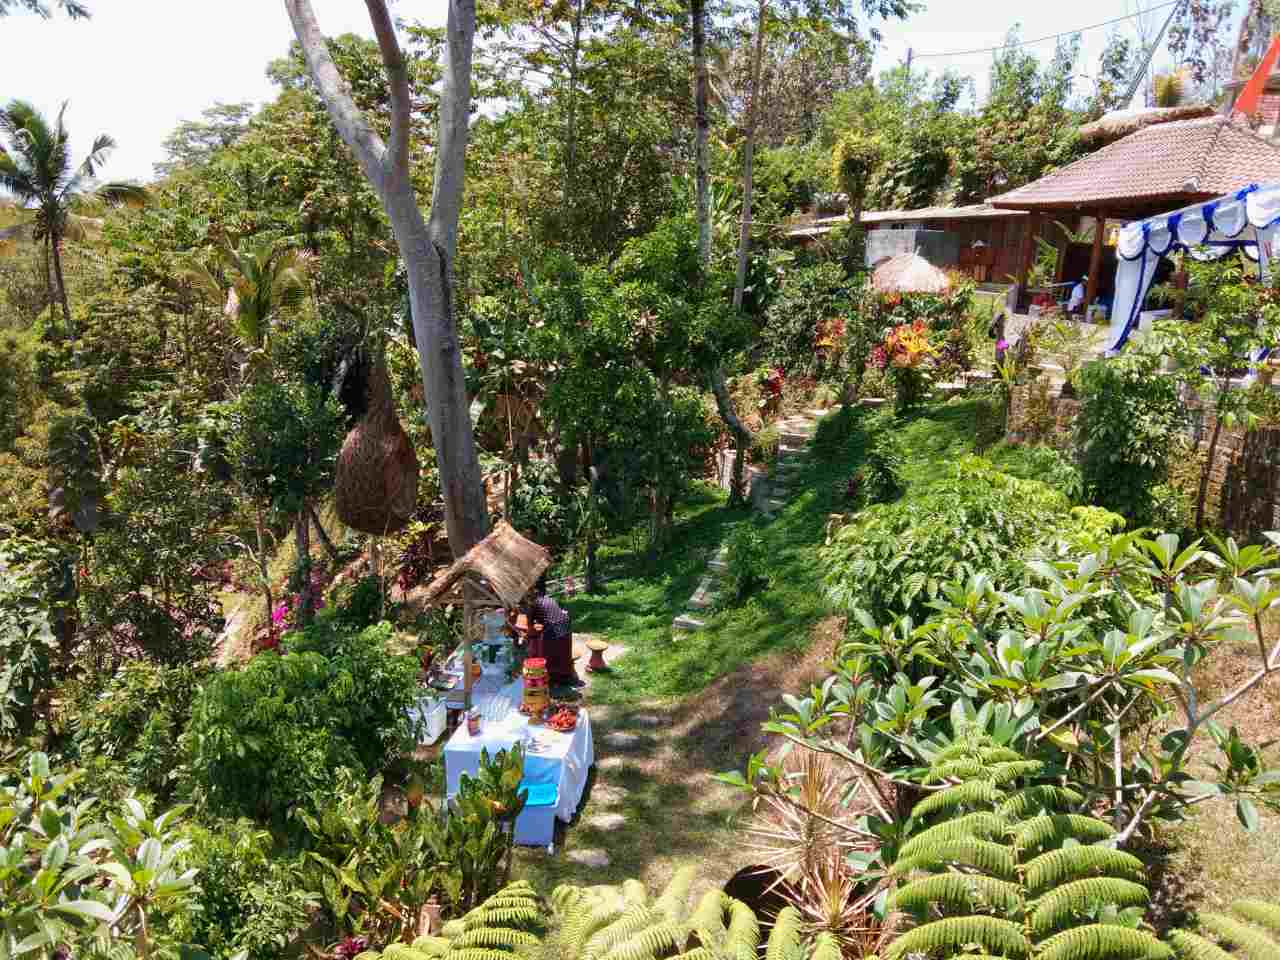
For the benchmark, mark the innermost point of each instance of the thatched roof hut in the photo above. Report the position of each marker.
(909, 273)
(504, 566)
(1120, 123)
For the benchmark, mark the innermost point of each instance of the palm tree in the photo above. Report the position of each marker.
(264, 278)
(36, 168)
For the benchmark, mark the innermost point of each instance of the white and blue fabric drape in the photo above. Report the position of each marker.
(1247, 221)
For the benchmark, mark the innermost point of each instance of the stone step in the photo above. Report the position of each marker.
(718, 565)
(687, 622)
(705, 596)
(774, 505)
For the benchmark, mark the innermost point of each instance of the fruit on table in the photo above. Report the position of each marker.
(563, 719)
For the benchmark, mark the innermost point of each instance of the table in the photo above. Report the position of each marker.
(565, 762)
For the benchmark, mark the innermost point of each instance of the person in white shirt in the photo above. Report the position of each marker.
(1076, 303)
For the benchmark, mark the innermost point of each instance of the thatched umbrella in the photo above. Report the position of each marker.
(1120, 123)
(909, 273)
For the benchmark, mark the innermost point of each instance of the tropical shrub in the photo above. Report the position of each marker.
(747, 557)
(272, 735)
(250, 898)
(73, 878)
(894, 558)
(136, 721)
(1043, 463)
(813, 300)
(374, 877)
(1066, 664)
(880, 479)
(1130, 416)
(538, 508)
(27, 643)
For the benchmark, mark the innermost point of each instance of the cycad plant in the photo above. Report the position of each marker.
(263, 278)
(36, 167)
(1006, 868)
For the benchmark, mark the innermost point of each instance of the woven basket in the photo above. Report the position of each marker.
(376, 480)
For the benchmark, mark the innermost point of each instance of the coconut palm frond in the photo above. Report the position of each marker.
(122, 193)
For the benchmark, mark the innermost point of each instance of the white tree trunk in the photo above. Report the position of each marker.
(427, 247)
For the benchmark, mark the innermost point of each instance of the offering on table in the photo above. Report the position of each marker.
(563, 719)
(537, 694)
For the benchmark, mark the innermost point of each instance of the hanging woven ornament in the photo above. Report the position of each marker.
(376, 481)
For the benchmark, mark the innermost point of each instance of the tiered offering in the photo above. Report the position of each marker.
(537, 690)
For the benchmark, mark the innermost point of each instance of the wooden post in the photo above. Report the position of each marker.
(1095, 260)
(1028, 252)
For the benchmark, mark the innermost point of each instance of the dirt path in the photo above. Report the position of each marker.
(652, 804)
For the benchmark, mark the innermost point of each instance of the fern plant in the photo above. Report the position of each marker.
(1012, 870)
(1251, 929)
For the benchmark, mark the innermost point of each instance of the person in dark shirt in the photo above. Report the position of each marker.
(557, 637)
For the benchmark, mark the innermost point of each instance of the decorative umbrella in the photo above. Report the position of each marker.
(909, 273)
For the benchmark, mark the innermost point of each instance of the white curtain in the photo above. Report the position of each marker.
(1133, 281)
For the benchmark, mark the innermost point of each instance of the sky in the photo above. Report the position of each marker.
(140, 67)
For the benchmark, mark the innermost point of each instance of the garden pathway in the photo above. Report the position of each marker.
(795, 433)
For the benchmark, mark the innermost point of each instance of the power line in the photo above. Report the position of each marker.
(1052, 36)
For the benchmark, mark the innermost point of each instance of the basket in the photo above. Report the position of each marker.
(376, 480)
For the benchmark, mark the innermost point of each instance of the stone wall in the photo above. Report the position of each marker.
(1039, 414)
(1239, 476)
(1236, 473)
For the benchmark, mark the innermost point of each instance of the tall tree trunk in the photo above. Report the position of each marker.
(748, 159)
(702, 126)
(61, 284)
(571, 121)
(741, 435)
(427, 247)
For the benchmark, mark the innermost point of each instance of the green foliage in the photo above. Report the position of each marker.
(1025, 885)
(747, 559)
(1040, 462)
(895, 558)
(374, 877)
(251, 896)
(272, 735)
(282, 441)
(136, 721)
(27, 643)
(880, 478)
(1130, 413)
(70, 876)
(810, 297)
(538, 507)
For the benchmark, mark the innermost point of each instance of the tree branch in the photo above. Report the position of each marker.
(451, 141)
(398, 79)
(369, 150)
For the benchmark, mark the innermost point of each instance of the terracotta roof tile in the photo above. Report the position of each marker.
(1188, 159)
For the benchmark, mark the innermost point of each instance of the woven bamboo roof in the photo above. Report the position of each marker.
(975, 211)
(507, 563)
(1158, 167)
(1121, 123)
(909, 273)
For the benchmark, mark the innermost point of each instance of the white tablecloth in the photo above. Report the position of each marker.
(565, 761)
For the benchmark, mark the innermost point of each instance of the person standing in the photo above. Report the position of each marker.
(557, 636)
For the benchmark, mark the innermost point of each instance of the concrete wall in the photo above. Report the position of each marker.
(940, 248)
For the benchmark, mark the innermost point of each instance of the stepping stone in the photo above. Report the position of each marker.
(589, 858)
(775, 505)
(608, 822)
(687, 622)
(647, 720)
(623, 741)
(606, 794)
(612, 762)
(705, 596)
(718, 565)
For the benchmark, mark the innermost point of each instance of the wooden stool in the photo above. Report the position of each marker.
(597, 648)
